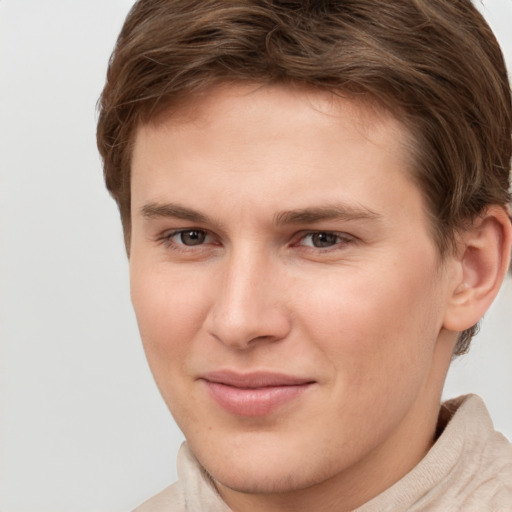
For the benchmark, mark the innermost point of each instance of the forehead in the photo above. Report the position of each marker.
(241, 109)
(260, 138)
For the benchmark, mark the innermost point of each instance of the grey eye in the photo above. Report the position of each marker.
(324, 239)
(192, 237)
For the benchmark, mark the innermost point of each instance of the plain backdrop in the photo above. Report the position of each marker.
(82, 426)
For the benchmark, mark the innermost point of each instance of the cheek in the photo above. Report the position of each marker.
(170, 310)
(373, 325)
(169, 314)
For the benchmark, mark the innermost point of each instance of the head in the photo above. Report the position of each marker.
(309, 183)
(457, 110)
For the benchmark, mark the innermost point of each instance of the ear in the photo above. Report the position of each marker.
(482, 263)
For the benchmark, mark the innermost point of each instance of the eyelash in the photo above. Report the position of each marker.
(343, 239)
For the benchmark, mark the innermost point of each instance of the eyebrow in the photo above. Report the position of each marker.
(318, 214)
(155, 210)
(300, 216)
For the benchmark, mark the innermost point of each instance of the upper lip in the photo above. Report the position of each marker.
(259, 379)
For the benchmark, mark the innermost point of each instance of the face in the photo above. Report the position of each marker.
(288, 291)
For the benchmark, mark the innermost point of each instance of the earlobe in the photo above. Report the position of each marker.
(483, 261)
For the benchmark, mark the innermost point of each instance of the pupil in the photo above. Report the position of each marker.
(192, 237)
(324, 239)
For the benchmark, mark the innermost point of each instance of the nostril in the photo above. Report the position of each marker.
(246, 331)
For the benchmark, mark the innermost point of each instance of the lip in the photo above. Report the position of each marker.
(253, 394)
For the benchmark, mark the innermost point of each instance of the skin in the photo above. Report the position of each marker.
(363, 316)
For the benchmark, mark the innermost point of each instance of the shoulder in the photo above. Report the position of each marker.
(169, 500)
(482, 473)
(469, 468)
(193, 491)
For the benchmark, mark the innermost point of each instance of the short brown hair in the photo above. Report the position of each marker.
(434, 64)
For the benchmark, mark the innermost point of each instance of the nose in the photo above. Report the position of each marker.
(249, 307)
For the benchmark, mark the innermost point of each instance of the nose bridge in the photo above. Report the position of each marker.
(248, 306)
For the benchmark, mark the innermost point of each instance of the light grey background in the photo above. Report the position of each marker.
(82, 427)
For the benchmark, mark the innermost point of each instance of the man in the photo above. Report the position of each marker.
(314, 197)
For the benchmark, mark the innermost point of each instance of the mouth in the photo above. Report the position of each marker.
(254, 394)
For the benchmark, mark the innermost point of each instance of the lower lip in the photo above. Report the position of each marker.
(253, 401)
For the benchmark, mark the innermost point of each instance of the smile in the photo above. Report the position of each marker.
(255, 394)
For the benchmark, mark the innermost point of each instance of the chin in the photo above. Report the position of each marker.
(265, 466)
(268, 479)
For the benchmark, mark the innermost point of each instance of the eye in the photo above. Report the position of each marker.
(189, 237)
(324, 239)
